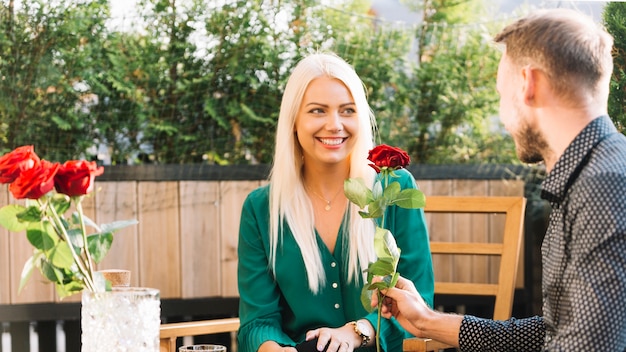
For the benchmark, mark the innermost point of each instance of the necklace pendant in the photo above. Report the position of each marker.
(327, 207)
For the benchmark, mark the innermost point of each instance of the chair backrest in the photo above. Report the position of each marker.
(171, 331)
(508, 250)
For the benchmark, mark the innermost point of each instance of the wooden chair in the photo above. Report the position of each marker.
(171, 331)
(508, 251)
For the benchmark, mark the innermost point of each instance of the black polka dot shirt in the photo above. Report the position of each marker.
(584, 256)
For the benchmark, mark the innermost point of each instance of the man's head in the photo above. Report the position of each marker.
(569, 47)
(554, 61)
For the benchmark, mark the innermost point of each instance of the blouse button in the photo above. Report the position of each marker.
(334, 285)
(336, 305)
(333, 264)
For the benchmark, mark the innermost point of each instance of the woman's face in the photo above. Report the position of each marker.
(327, 122)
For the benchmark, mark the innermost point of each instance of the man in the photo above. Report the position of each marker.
(553, 81)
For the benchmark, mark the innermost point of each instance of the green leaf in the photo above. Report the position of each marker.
(76, 238)
(410, 198)
(391, 192)
(377, 190)
(9, 218)
(61, 256)
(117, 225)
(376, 208)
(356, 191)
(385, 245)
(366, 299)
(42, 235)
(379, 285)
(99, 245)
(382, 267)
(50, 272)
(27, 271)
(30, 214)
(68, 289)
(61, 203)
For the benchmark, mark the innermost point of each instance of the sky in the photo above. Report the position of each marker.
(394, 10)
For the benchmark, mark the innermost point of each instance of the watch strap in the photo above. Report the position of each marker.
(365, 339)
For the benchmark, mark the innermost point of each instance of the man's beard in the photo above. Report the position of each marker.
(530, 144)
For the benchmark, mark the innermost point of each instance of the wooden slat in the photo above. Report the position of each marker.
(466, 248)
(233, 194)
(416, 344)
(457, 288)
(159, 238)
(505, 188)
(116, 201)
(200, 239)
(468, 204)
(203, 327)
(169, 332)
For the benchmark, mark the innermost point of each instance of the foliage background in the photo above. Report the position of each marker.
(200, 81)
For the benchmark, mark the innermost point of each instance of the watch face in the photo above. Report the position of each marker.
(364, 328)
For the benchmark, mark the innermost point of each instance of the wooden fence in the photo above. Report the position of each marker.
(186, 241)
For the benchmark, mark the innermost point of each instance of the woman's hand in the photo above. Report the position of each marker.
(342, 339)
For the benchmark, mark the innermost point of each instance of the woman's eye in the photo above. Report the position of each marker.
(316, 111)
(349, 111)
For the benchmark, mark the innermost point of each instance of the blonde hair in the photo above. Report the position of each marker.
(288, 201)
(573, 51)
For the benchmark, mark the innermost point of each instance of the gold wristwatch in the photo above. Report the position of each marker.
(362, 328)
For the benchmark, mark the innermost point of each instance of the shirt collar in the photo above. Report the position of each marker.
(569, 165)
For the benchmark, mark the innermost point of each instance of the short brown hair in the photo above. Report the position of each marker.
(568, 46)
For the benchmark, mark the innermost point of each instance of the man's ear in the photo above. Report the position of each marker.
(529, 78)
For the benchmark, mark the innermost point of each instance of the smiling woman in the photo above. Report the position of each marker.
(303, 228)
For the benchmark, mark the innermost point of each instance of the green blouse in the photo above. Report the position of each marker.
(283, 309)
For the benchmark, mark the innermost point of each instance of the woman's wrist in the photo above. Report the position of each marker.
(364, 332)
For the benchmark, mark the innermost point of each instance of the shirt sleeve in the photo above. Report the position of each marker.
(512, 335)
(408, 227)
(259, 295)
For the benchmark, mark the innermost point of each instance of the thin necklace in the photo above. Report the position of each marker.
(327, 207)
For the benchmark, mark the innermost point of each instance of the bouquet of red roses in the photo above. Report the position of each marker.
(64, 251)
(373, 203)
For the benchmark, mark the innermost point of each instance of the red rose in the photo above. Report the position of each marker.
(13, 163)
(36, 181)
(75, 177)
(388, 156)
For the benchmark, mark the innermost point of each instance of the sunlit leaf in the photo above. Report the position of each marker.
(9, 220)
(27, 271)
(356, 191)
(42, 235)
(391, 192)
(61, 256)
(366, 299)
(68, 289)
(117, 225)
(61, 203)
(50, 272)
(99, 245)
(381, 267)
(410, 198)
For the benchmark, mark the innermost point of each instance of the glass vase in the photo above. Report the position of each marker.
(123, 320)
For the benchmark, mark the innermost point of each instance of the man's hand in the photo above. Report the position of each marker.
(405, 304)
